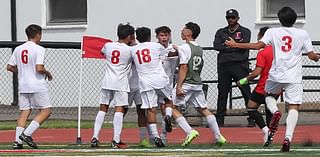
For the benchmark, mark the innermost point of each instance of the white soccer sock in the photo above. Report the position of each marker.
(154, 130)
(143, 132)
(182, 122)
(265, 129)
(291, 121)
(169, 111)
(117, 126)
(271, 104)
(33, 126)
(98, 124)
(213, 125)
(19, 131)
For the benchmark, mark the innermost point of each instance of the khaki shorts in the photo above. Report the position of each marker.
(34, 101)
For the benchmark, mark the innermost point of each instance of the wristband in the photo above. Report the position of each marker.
(243, 81)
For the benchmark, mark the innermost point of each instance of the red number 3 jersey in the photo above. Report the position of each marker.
(288, 44)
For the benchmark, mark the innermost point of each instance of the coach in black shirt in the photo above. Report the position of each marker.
(233, 63)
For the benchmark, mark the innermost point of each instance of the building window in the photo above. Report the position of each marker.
(66, 12)
(270, 8)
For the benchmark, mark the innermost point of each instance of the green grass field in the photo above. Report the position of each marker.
(171, 150)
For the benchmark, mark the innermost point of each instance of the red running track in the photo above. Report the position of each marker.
(234, 135)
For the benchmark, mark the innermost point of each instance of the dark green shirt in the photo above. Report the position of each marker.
(195, 65)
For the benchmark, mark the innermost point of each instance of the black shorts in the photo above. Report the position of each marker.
(258, 98)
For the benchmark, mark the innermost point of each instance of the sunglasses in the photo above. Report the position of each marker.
(231, 17)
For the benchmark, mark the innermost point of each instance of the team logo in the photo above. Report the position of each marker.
(238, 36)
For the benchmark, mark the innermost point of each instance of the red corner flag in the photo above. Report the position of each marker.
(91, 47)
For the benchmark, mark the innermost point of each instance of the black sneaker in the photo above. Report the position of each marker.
(17, 145)
(167, 121)
(158, 142)
(94, 142)
(28, 140)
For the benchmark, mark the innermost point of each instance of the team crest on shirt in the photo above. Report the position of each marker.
(237, 36)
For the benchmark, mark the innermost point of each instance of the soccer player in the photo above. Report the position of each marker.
(153, 81)
(163, 34)
(115, 85)
(134, 95)
(263, 65)
(189, 84)
(28, 61)
(289, 44)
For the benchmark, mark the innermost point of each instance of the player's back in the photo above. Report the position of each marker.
(118, 62)
(26, 57)
(147, 59)
(289, 44)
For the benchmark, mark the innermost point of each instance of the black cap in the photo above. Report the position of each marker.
(232, 12)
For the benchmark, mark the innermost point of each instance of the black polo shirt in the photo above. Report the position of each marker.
(226, 54)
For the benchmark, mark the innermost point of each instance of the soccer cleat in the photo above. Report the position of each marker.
(17, 145)
(158, 142)
(119, 145)
(28, 140)
(95, 142)
(273, 125)
(145, 143)
(285, 145)
(163, 137)
(269, 138)
(189, 138)
(167, 120)
(221, 141)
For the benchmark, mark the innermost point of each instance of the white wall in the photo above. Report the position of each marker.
(105, 15)
(5, 31)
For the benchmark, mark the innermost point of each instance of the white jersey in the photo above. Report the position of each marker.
(288, 44)
(118, 61)
(170, 64)
(147, 58)
(26, 57)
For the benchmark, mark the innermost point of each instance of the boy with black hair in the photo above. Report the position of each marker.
(289, 44)
(115, 85)
(263, 65)
(153, 81)
(163, 34)
(189, 85)
(27, 61)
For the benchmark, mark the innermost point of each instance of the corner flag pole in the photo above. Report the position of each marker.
(79, 104)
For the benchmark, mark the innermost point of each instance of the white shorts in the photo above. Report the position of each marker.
(292, 91)
(136, 97)
(117, 98)
(150, 99)
(193, 95)
(34, 101)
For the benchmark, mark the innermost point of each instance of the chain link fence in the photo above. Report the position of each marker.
(64, 62)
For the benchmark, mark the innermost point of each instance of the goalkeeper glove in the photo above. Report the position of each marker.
(243, 81)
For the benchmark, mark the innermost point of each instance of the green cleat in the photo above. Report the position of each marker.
(145, 143)
(221, 141)
(189, 138)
